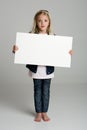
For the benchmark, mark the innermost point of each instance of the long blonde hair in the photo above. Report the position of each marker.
(35, 27)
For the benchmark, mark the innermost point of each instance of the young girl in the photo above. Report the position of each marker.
(41, 75)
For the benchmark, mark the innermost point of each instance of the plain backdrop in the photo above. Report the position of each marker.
(69, 18)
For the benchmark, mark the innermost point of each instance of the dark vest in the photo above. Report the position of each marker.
(33, 68)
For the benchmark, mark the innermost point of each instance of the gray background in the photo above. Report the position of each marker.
(68, 19)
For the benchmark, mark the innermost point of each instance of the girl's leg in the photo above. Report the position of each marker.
(45, 98)
(37, 98)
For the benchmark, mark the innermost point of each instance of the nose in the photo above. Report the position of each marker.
(42, 22)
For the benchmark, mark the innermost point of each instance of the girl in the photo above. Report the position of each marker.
(41, 75)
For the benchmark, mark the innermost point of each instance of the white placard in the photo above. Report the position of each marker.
(42, 49)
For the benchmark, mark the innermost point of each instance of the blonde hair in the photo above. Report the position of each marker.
(35, 27)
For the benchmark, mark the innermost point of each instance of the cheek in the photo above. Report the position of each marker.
(38, 24)
(47, 24)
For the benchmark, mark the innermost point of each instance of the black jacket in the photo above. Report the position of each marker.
(33, 68)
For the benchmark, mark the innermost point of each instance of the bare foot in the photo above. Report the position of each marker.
(45, 117)
(38, 117)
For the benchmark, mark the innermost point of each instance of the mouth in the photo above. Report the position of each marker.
(42, 26)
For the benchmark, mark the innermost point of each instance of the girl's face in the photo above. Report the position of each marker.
(42, 23)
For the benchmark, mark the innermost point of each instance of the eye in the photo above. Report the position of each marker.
(39, 20)
(45, 20)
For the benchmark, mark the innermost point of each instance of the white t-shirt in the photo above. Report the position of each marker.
(41, 73)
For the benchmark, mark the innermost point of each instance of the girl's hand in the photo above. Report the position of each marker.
(70, 52)
(15, 48)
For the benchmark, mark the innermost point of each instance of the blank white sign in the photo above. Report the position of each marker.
(42, 49)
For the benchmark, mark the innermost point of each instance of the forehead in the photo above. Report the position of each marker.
(42, 16)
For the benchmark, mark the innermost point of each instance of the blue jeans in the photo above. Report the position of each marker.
(41, 94)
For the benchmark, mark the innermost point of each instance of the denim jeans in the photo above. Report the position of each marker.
(41, 94)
